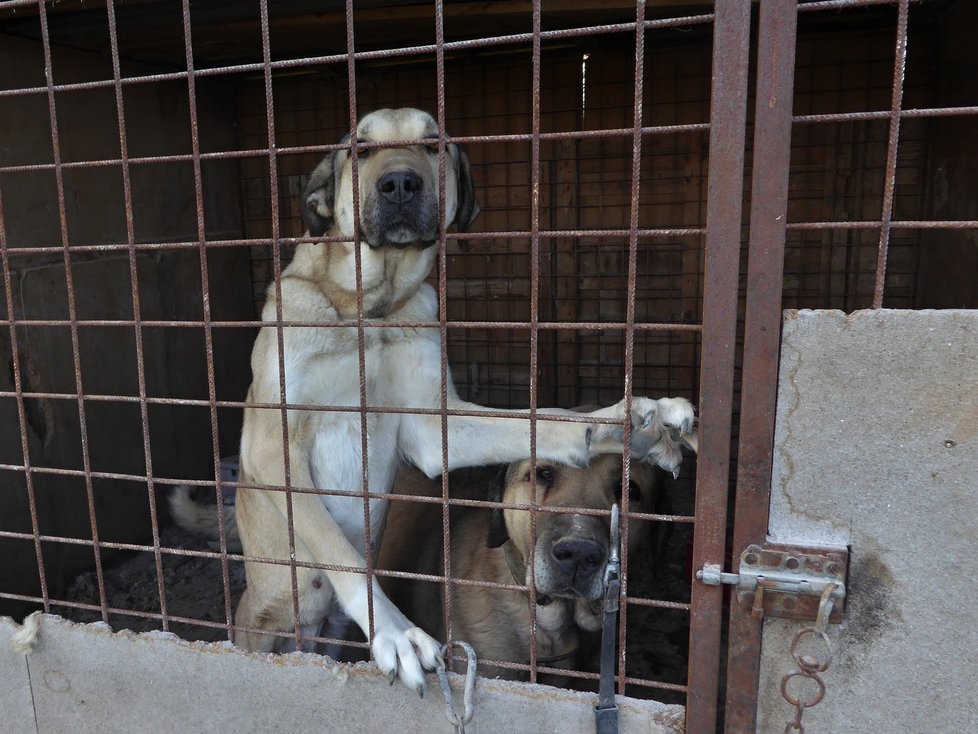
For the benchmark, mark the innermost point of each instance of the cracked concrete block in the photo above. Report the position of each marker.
(89, 679)
(876, 448)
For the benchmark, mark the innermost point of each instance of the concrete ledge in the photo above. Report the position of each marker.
(86, 678)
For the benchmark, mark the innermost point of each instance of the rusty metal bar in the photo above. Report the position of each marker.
(205, 305)
(955, 224)
(638, 91)
(500, 325)
(658, 233)
(892, 149)
(323, 408)
(72, 312)
(731, 43)
(15, 368)
(461, 237)
(534, 316)
(136, 310)
(317, 61)
(279, 332)
(454, 502)
(840, 4)
(762, 332)
(446, 540)
(361, 341)
(887, 114)
(329, 148)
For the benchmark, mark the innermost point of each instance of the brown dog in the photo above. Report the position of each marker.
(568, 558)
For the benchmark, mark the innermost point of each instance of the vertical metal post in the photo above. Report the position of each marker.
(892, 145)
(205, 296)
(762, 334)
(728, 113)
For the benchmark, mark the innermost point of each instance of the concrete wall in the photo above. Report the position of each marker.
(877, 449)
(169, 287)
(85, 679)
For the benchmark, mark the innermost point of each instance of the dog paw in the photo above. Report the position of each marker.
(660, 441)
(405, 652)
(676, 414)
(658, 427)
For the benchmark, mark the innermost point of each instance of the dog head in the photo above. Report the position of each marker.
(571, 549)
(398, 186)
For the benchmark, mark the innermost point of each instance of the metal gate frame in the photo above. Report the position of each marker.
(773, 120)
(728, 119)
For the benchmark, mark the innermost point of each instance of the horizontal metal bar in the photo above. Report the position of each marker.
(948, 224)
(269, 242)
(624, 132)
(922, 112)
(344, 58)
(191, 402)
(840, 4)
(503, 325)
(453, 502)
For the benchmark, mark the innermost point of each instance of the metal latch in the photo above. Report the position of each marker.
(785, 580)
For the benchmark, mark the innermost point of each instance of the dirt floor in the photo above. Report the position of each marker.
(193, 587)
(656, 642)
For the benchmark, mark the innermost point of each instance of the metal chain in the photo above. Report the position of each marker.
(809, 666)
(468, 700)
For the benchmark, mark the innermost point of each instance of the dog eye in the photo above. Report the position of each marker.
(634, 491)
(545, 477)
(432, 147)
(363, 152)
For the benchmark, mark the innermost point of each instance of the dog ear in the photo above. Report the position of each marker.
(319, 195)
(498, 534)
(466, 208)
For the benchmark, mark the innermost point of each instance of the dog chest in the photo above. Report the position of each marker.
(337, 463)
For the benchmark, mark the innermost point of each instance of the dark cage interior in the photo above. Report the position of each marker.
(121, 200)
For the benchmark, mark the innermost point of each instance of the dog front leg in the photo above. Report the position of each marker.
(476, 440)
(399, 647)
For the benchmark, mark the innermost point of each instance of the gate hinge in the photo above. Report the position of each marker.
(785, 580)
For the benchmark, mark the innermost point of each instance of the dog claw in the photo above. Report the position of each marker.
(675, 473)
(647, 419)
(390, 678)
(420, 690)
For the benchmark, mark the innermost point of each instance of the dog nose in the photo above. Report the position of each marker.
(578, 559)
(399, 187)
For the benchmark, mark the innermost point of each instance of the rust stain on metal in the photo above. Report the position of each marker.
(722, 249)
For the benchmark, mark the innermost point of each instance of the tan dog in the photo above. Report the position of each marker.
(568, 558)
(400, 217)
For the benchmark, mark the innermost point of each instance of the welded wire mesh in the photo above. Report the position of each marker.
(606, 263)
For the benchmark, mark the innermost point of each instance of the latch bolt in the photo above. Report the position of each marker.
(785, 581)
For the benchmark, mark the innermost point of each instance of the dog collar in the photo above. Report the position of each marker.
(545, 660)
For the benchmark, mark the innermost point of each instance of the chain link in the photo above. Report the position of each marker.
(468, 700)
(809, 666)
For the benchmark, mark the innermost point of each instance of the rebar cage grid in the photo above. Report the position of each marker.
(725, 127)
